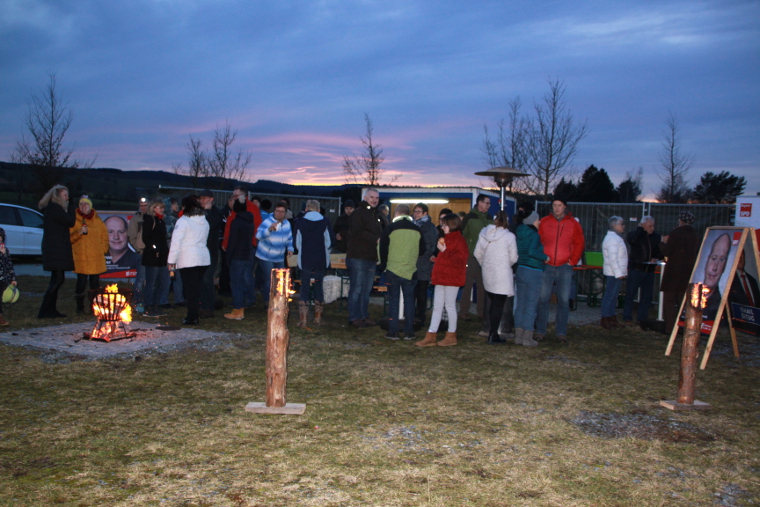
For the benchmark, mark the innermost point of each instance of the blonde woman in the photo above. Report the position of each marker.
(154, 257)
(56, 247)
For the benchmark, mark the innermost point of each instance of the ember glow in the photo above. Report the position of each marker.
(699, 295)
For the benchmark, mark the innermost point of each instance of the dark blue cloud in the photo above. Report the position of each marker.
(296, 77)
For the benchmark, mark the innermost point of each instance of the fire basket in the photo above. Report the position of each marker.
(113, 313)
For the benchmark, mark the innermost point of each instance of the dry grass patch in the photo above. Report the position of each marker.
(386, 423)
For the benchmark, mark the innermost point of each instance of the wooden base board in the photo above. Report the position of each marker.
(259, 407)
(674, 405)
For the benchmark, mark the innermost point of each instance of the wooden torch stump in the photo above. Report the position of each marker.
(687, 375)
(278, 338)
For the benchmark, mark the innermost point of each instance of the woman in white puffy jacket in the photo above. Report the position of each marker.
(496, 251)
(615, 269)
(189, 254)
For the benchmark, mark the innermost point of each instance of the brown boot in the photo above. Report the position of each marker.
(318, 309)
(449, 340)
(615, 322)
(605, 322)
(303, 313)
(4, 322)
(428, 341)
(236, 314)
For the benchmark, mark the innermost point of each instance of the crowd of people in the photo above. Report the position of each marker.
(511, 269)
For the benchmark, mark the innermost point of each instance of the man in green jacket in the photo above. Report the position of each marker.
(474, 222)
(400, 245)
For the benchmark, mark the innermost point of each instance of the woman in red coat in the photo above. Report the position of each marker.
(449, 273)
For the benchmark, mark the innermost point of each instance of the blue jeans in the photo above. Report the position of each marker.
(638, 280)
(318, 275)
(179, 294)
(241, 283)
(562, 276)
(611, 291)
(266, 273)
(361, 273)
(397, 285)
(528, 290)
(156, 279)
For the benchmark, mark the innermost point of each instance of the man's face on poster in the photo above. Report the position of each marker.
(117, 236)
(716, 262)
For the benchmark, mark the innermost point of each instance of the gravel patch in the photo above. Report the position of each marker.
(642, 426)
(67, 342)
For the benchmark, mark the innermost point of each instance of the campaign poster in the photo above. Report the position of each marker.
(719, 252)
(744, 294)
(121, 260)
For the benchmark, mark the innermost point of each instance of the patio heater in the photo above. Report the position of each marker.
(503, 177)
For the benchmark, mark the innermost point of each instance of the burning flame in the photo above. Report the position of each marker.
(283, 282)
(106, 307)
(699, 295)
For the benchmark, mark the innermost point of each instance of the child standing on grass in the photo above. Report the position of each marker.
(7, 273)
(449, 273)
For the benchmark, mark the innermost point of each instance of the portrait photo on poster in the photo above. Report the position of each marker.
(744, 295)
(121, 258)
(713, 267)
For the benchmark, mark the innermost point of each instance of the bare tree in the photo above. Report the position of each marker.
(46, 122)
(553, 140)
(509, 149)
(366, 167)
(675, 164)
(222, 162)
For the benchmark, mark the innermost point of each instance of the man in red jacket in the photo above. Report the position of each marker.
(563, 241)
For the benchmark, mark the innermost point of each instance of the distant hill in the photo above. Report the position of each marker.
(115, 189)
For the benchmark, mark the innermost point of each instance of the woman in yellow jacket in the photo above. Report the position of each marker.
(89, 244)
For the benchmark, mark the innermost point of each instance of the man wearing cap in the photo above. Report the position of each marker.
(645, 253)
(474, 222)
(340, 229)
(563, 242)
(680, 249)
(215, 220)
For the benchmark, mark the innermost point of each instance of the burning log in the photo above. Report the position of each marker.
(113, 313)
(689, 352)
(278, 338)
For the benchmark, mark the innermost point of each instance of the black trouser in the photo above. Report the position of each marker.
(191, 281)
(496, 310)
(50, 299)
(420, 300)
(82, 283)
(208, 292)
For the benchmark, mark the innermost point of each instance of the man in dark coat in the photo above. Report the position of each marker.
(361, 257)
(680, 249)
(424, 262)
(645, 252)
(340, 229)
(215, 220)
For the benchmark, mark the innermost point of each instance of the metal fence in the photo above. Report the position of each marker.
(594, 217)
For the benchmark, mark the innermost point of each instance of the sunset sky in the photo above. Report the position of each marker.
(295, 78)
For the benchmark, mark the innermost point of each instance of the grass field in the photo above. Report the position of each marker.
(386, 423)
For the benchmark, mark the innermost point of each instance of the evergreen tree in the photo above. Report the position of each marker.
(596, 186)
(721, 188)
